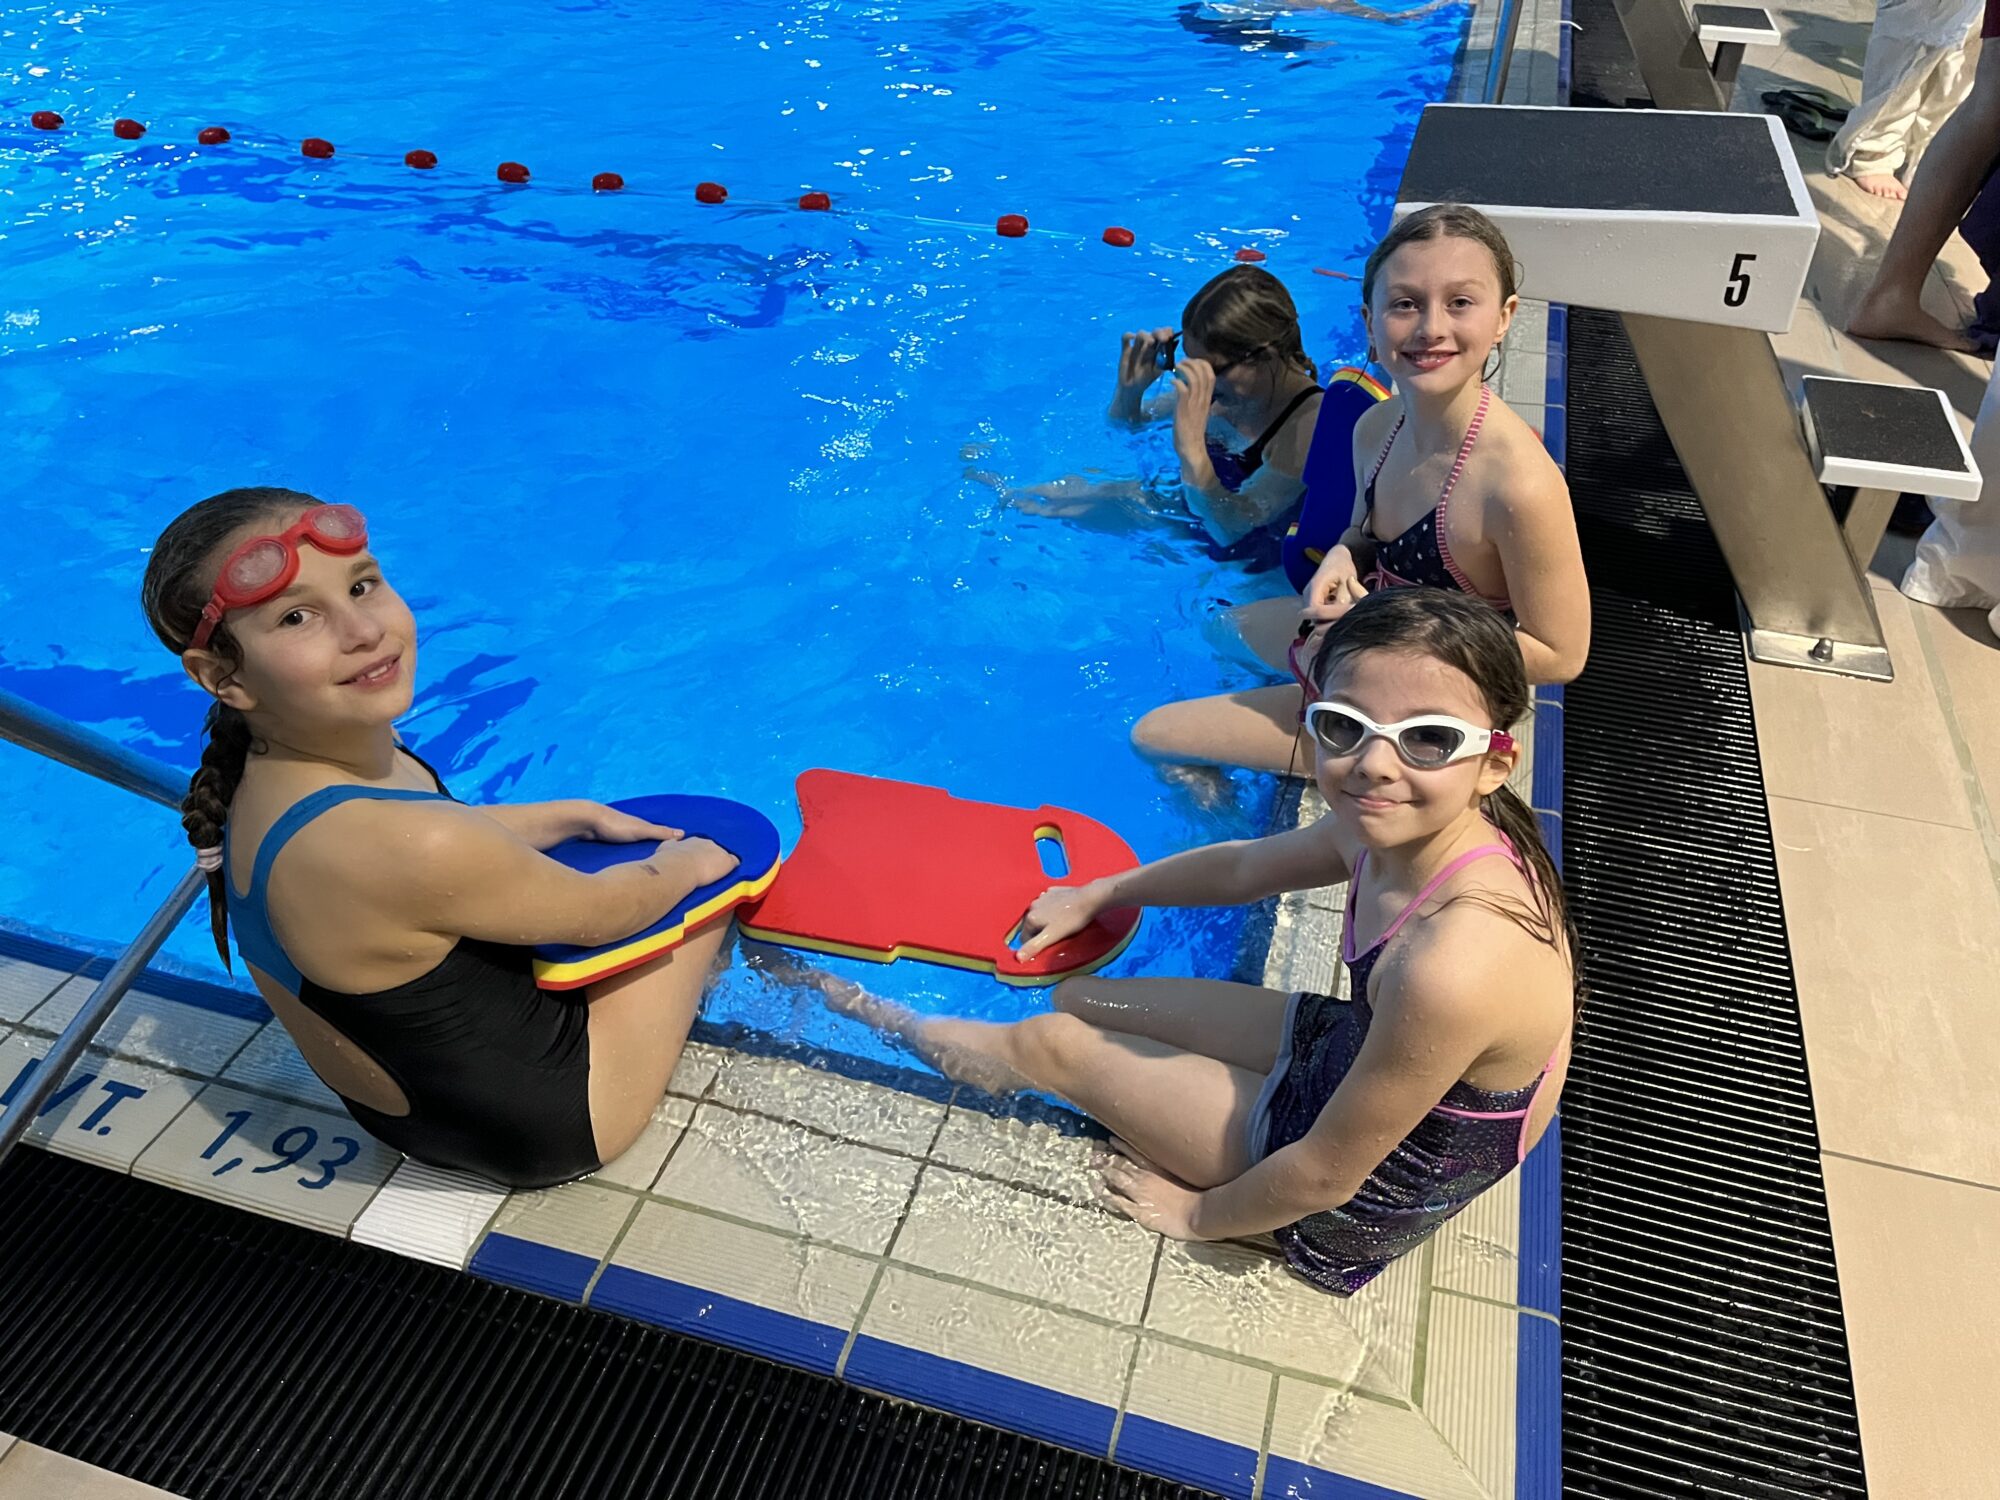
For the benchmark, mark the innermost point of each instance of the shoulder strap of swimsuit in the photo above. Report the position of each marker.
(1253, 456)
(1376, 472)
(1464, 450)
(310, 807)
(1430, 887)
(436, 780)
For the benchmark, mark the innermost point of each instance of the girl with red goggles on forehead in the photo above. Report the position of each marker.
(390, 926)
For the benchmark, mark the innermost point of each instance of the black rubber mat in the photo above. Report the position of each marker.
(1704, 1352)
(223, 1356)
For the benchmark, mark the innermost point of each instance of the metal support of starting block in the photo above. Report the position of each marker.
(1696, 226)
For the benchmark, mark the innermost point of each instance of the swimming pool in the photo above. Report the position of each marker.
(684, 496)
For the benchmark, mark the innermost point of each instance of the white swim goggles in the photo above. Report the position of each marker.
(1425, 743)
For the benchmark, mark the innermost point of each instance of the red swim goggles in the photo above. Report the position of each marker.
(264, 567)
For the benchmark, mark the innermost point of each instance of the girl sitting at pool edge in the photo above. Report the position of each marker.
(1350, 1129)
(388, 925)
(1452, 490)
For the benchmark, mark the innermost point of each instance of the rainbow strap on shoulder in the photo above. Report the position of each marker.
(743, 831)
(1328, 507)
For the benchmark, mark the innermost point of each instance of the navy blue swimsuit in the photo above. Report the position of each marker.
(1261, 548)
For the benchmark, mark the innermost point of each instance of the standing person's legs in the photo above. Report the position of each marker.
(1953, 170)
(1873, 143)
(1945, 89)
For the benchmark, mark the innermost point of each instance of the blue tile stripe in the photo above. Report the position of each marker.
(1288, 1479)
(1539, 1283)
(533, 1267)
(722, 1320)
(1175, 1453)
(1546, 780)
(1000, 1399)
(1537, 1411)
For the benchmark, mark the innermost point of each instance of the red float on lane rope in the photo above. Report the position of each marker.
(1249, 256)
(1124, 239)
(313, 146)
(511, 171)
(212, 135)
(127, 130)
(607, 182)
(1336, 275)
(710, 192)
(45, 119)
(815, 202)
(1012, 226)
(421, 159)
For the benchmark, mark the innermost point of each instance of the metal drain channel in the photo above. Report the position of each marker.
(224, 1357)
(1704, 1349)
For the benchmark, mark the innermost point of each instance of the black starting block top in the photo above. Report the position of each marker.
(1887, 437)
(1598, 161)
(1682, 214)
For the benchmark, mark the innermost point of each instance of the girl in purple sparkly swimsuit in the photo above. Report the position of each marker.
(1349, 1128)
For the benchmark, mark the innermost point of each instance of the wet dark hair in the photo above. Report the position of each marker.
(180, 575)
(1445, 221)
(1243, 312)
(1476, 639)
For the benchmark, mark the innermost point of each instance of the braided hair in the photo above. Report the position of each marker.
(1245, 313)
(180, 575)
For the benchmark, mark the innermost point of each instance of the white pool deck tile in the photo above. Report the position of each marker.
(270, 1156)
(107, 1110)
(429, 1214)
(25, 985)
(1052, 1374)
(786, 1177)
(1084, 1259)
(1195, 1417)
(1469, 1385)
(783, 1297)
(845, 1108)
(270, 1063)
(638, 1165)
(1020, 1152)
(152, 1029)
(700, 1062)
(1319, 1431)
(1479, 1251)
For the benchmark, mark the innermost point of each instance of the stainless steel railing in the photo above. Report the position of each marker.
(1501, 56)
(49, 734)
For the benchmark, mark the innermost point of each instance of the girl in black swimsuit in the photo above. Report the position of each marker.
(389, 926)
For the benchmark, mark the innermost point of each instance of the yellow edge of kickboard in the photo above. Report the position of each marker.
(551, 975)
(931, 955)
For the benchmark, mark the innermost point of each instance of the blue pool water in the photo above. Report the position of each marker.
(684, 497)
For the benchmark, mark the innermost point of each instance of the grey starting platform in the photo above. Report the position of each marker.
(1697, 226)
(1602, 208)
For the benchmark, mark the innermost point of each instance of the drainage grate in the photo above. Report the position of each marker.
(1704, 1351)
(223, 1356)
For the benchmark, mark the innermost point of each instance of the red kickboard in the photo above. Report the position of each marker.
(889, 869)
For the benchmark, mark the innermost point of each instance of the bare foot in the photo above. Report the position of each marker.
(1888, 317)
(1881, 185)
(967, 1051)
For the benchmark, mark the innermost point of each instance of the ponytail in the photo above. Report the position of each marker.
(1518, 824)
(205, 808)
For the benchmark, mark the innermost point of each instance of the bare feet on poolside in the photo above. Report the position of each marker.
(1880, 185)
(950, 1045)
(1885, 317)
